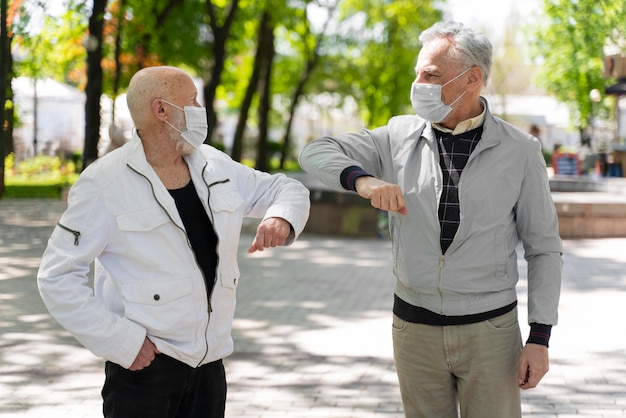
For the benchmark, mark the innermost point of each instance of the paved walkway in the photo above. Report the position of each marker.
(312, 334)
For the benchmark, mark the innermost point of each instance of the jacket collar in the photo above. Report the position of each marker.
(136, 157)
(489, 125)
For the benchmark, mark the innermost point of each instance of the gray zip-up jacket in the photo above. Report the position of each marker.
(146, 279)
(504, 196)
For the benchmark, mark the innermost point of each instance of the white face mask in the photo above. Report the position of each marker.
(427, 103)
(196, 124)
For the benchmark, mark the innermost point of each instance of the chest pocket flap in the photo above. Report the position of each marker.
(156, 292)
(142, 220)
(225, 197)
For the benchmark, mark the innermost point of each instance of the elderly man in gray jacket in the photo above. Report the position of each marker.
(461, 187)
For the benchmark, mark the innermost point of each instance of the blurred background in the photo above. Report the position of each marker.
(275, 74)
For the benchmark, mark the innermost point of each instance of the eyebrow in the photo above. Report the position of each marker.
(430, 69)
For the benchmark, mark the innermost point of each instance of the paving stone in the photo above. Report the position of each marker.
(312, 331)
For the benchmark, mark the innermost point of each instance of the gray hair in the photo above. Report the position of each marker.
(469, 47)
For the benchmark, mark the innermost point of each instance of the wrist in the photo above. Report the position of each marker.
(539, 334)
(350, 175)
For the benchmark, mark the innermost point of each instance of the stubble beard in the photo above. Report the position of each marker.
(182, 146)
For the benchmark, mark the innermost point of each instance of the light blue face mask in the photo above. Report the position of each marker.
(196, 124)
(427, 103)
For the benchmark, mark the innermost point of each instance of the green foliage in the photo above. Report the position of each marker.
(569, 43)
(274, 165)
(373, 56)
(40, 171)
(56, 48)
(368, 52)
(547, 155)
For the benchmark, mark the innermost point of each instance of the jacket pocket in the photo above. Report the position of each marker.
(142, 220)
(225, 197)
(229, 278)
(163, 307)
(500, 253)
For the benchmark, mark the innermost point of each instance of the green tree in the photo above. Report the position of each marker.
(569, 44)
(376, 62)
(221, 16)
(307, 46)
(511, 72)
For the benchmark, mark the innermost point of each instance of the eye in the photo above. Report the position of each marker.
(430, 76)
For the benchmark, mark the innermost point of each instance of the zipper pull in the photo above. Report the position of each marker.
(71, 231)
(441, 260)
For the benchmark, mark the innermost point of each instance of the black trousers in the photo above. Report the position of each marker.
(165, 389)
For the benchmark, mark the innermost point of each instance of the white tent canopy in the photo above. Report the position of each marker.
(60, 116)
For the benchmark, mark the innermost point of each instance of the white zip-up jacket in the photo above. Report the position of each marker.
(504, 196)
(146, 279)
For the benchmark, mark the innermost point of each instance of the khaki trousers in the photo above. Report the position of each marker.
(467, 369)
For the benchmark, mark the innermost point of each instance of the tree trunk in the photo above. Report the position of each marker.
(220, 37)
(265, 100)
(9, 117)
(117, 52)
(250, 90)
(312, 60)
(219, 60)
(286, 146)
(4, 83)
(93, 89)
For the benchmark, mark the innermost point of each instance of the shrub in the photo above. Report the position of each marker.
(42, 176)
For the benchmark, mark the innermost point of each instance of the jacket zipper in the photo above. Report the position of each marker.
(206, 343)
(210, 294)
(442, 260)
(75, 233)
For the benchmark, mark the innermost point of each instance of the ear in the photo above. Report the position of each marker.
(475, 79)
(158, 110)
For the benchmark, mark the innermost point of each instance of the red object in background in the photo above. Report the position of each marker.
(566, 163)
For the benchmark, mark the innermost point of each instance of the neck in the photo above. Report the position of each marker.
(471, 111)
(162, 160)
(170, 166)
(161, 152)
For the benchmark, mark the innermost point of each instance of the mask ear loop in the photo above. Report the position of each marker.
(450, 81)
(177, 107)
(457, 99)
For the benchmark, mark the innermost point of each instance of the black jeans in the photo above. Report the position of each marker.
(165, 389)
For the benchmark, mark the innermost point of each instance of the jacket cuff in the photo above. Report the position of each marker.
(349, 175)
(539, 334)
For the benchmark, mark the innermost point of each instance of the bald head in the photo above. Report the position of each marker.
(153, 83)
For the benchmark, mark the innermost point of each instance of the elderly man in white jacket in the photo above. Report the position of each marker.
(161, 217)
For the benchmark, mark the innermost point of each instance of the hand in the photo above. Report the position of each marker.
(382, 195)
(145, 356)
(533, 365)
(272, 232)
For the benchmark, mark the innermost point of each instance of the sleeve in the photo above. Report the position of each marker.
(537, 225)
(328, 158)
(79, 237)
(274, 196)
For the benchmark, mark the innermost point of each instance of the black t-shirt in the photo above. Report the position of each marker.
(200, 231)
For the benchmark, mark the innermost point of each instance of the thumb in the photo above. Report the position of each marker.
(522, 373)
(154, 347)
